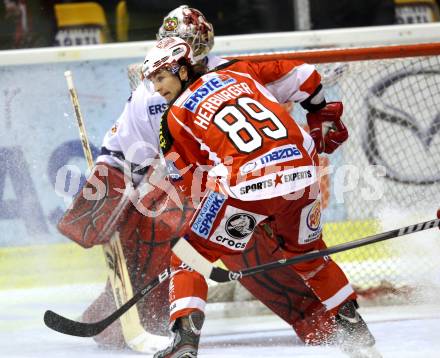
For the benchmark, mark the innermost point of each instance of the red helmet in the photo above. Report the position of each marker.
(189, 24)
(166, 54)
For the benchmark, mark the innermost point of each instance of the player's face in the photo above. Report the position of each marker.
(166, 84)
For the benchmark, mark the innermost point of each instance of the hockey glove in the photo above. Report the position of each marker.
(98, 208)
(337, 134)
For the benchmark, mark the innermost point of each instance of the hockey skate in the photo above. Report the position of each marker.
(353, 336)
(186, 337)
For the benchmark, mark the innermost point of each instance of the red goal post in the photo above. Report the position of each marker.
(330, 55)
(388, 174)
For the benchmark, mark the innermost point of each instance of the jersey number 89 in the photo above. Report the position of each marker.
(240, 131)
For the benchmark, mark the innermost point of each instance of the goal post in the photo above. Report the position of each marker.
(387, 174)
(391, 108)
(330, 55)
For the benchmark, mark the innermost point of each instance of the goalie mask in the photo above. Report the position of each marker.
(168, 53)
(189, 24)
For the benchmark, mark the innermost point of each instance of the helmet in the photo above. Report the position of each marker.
(166, 54)
(190, 25)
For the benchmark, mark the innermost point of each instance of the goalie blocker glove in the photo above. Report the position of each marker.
(336, 135)
(98, 208)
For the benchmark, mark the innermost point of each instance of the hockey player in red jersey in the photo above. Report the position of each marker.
(238, 147)
(145, 239)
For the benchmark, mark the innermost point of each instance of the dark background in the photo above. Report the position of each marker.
(229, 17)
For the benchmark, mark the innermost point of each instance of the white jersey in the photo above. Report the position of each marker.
(134, 138)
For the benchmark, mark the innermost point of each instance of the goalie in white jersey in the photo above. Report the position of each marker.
(135, 135)
(134, 140)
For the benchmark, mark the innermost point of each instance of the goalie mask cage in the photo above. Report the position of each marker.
(387, 174)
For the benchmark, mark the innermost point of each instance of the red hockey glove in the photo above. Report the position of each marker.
(98, 208)
(438, 215)
(337, 134)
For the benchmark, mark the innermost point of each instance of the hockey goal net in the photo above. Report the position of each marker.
(388, 173)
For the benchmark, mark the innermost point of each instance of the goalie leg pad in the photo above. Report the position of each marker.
(103, 306)
(147, 251)
(93, 210)
(146, 244)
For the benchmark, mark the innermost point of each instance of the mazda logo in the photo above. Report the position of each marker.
(403, 121)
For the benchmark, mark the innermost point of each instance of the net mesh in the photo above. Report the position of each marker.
(386, 176)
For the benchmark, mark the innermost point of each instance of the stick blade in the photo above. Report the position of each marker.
(73, 328)
(220, 275)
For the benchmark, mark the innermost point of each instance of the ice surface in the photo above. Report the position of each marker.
(400, 331)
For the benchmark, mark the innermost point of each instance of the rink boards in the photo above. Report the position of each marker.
(68, 263)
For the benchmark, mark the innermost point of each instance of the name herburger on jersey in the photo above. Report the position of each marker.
(219, 89)
(279, 179)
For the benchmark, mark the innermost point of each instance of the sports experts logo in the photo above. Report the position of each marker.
(279, 179)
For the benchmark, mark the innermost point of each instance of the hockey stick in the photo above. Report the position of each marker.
(134, 333)
(196, 261)
(184, 250)
(80, 329)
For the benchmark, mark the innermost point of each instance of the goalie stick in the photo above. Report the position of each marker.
(188, 254)
(196, 261)
(134, 333)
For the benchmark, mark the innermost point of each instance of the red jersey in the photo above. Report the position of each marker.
(230, 125)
